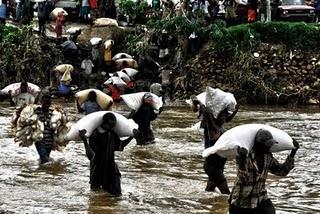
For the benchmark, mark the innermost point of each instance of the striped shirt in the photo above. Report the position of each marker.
(45, 118)
(249, 189)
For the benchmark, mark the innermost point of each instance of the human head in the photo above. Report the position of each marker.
(23, 87)
(147, 98)
(263, 141)
(108, 121)
(46, 102)
(92, 96)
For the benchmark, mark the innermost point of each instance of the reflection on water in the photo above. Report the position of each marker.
(166, 177)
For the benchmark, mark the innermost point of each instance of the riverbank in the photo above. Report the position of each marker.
(261, 63)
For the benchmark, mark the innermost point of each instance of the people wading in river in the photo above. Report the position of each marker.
(104, 172)
(23, 98)
(213, 129)
(249, 195)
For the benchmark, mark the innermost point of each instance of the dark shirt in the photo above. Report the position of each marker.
(249, 189)
(144, 116)
(104, 171)
(45, 118)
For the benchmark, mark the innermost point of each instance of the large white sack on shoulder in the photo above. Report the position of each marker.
(124, 127)
(102, 99)
(134, 100)
(105, 22)
(15, 89)
(130, 71)
(64, 68)
(243, 136)
(95, 40)
(201, 97)
(54, 12)
(218, 100)
(121, 56)
(123, 76)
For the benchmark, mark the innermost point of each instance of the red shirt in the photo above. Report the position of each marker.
(115, 92)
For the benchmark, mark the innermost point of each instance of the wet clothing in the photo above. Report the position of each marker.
(143, 118)
(265, 207)
(213, 164)
(90, 107)
(45, 145)
(104, 172)
(249, 190)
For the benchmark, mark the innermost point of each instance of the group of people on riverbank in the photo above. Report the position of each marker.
(248, 194)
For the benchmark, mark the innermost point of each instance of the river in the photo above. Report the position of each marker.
(166, 177)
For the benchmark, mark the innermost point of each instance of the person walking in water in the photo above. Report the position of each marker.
(90, 105)
(104, 172)
(213, 129)
(249, 194)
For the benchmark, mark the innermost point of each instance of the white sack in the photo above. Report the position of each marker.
(105, 22)
(108, 44)
(134, 101)
(121, 56)
(130, 71)
(243, 136)
(124, 127)
(54, 12)
(217, 100)
(15, 89)
(95, 40)
(201, 97)
(64, 68)
(122, 75)
(115, 81)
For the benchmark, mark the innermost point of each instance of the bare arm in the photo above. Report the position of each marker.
(89, 152)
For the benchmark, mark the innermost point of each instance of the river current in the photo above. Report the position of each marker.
(166, 177)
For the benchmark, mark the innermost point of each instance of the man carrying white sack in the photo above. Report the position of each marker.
(104, 172)
(249, 195)
(213, 129)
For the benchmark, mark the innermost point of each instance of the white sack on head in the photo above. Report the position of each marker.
(107, 44)
(244, 136)
(95, 40)
(218, 100)
(130, 71)
(118, 81)
(135, 100)
(15, 89)
(64, 68)
(121, 56)
(105, 22)
(124, 127)
(122, 75)
(103, 99)
(54, 13)
(130, 63)
(201, 97)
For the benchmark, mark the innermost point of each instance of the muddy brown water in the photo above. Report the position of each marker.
(166, 177)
